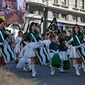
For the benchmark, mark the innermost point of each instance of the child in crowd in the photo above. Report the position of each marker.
(17, 44)
(62, 53)
(55, 59)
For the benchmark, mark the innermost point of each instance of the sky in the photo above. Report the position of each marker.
(20, 2)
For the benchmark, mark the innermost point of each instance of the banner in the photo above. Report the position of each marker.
(4, 18)
(12, 16)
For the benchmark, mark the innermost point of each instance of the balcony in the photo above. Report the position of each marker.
(36, 2)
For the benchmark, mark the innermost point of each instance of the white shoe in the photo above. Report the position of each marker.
(24, 69)
(80, 67)
(33, 71)
(61, 70)
(77, 73)
(33, 75)
(52, 70)
(83, 70)
(52, 73)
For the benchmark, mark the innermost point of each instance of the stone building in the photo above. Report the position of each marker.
(67, 12)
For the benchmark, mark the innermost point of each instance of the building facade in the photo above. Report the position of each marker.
(8, 3)
(67, 12)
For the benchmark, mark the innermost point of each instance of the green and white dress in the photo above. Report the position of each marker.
(6, 49)
(32, 38)
(75, 44)
(55, 58)
(63, 52)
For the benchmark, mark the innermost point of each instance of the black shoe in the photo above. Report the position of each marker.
(30, 71)
(16, 61)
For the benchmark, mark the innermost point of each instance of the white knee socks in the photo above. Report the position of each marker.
(77, 69)
(52, 70)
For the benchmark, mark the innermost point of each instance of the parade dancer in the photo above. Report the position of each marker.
(44, 50)
(32, 37)
(62, 53)
(66, 39)
(24, 60)
(17, 44)
(55, 59)
(3, 58)
(82, 64)
(76, 40)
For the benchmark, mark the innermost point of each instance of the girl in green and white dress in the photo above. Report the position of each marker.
(55, 59)
(62, 53)
(32, 38)
(17, 44)
(76, 40)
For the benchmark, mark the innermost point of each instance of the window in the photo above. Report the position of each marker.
(75, 18)
(75, 3)
(38, 11)
(55, 1)
(63, 2)
(82, 19)
(63, 16)
(54, 14)
(31, 10)
(82, 4)
(57, 15)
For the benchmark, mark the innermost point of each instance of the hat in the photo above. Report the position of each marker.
(1, 20)
(32, 23)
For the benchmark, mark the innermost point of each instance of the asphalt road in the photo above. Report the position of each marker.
(44, 77)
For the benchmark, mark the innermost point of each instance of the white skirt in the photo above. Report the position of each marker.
(74, 53)
(63, 55)
(51, 55)
(17, 48)
(29, 52)
(23, 62)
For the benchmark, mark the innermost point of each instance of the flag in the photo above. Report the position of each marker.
(26, 27)
(53, 26)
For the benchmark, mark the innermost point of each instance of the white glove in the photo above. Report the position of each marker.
(71, 39)
(55, 51)
(1, 44)
(69, 46)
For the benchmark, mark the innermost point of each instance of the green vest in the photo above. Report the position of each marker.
(4, 35)
(62, 47)
(53, 46)
(66, 38)
(80, 37)
(30, 38)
